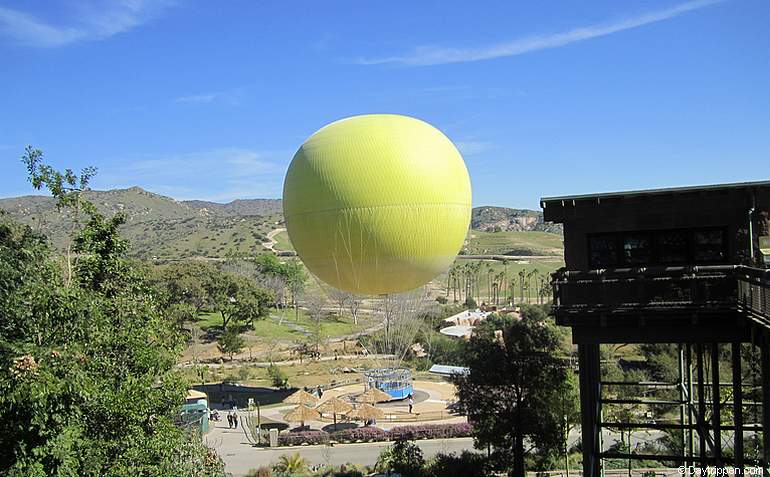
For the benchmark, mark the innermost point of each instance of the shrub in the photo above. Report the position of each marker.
(431, 431)
(277, 376)
(303, 437)
(467, 464)
(403, 457)
(360, 433)
(260, 472)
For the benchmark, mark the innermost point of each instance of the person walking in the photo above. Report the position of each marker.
(230, 420)
(235, 420)
(411, 403)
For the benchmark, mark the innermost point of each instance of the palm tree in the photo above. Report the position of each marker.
(522, 277)
(291, 464)
(490, 272)
(534, 273)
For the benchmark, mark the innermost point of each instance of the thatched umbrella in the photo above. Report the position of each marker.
(374, 395)
(301, 413)
(302, 397)
(366, 412)
(334, 406)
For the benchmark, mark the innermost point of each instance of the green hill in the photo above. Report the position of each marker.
(160, 227)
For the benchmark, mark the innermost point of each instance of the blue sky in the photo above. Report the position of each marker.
(209, 100)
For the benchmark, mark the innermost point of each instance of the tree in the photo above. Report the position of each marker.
(238, 299)
(295, 278)
(566, 405)
(403, 457)
(87, 357)
(67, 188)
(187, 283)
(340, 297)
(354, 304)
(515, 372)
(230, 342)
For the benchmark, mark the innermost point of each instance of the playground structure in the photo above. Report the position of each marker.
(395, 381)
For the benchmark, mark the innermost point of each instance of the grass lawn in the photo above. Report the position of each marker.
(309, 373)
(269, 329)
(282, 241)
(516, 243)
(331, 325)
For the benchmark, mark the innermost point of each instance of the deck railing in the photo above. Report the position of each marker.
(666, 288)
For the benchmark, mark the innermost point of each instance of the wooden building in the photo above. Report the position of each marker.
(684, 266)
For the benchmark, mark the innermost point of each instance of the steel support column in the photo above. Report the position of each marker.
(701, 418)
(590, 408)
(764, 350)
(737, 405)
(716, 414)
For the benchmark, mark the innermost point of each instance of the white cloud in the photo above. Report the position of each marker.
(470, 148)
(232, 97)
(224, 162)
(434, 55)
(83, 23)
(219, 175)
(197, 98)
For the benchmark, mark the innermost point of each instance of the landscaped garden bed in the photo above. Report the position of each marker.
(374, 434)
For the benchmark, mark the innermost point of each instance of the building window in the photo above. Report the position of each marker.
(710, 245)
(658, 247)
(604, 250)
(672, 246)
(636, 248)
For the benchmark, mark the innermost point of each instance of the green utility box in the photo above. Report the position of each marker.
(764, 247)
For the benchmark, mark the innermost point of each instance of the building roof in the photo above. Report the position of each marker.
(458, 331)
(445, 370)
(668, 190)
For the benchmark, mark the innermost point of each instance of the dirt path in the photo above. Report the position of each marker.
(271, 239)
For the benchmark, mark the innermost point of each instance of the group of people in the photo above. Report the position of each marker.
(232, 420)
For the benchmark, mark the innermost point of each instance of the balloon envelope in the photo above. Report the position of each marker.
(377, 203)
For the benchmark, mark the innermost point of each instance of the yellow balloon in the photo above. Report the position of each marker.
(378, 203)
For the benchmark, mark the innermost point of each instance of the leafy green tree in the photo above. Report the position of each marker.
(230, 342)
(295, 280)
(88, 385)
(566, 405)
(237, 299)
(277, 376)
(403, 457)
(510, 391)
(187, 283)
(467, 464)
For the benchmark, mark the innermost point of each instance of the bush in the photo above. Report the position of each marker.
(277, 376)
(303, 437)
(431, 431)
(403, 457)
(261, 472)
(467, 464)
(360, 433)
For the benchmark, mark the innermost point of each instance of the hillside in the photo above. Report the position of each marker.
(503, 219)
(163, 228)
(159, 226)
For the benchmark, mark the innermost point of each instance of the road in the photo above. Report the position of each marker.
(271, 240)
(240, 457)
